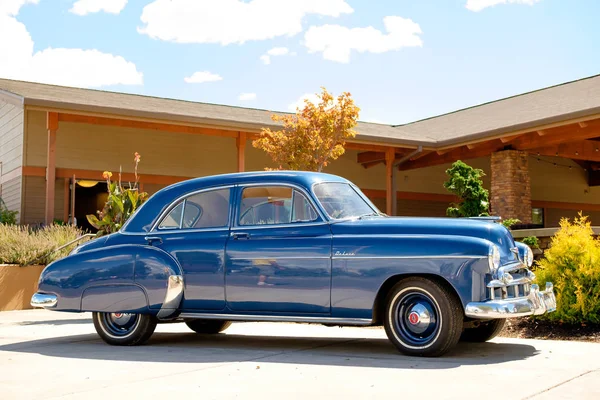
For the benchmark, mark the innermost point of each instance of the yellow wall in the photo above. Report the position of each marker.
(83, 146)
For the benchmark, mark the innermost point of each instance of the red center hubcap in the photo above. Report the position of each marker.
(413, 318)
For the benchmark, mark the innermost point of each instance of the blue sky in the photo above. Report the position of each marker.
(439, 56)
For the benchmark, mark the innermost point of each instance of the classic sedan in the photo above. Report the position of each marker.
(295, 247)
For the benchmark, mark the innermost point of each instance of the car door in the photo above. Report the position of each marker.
(195, 232)
(278, 253)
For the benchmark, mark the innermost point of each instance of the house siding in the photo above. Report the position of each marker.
(11, 154)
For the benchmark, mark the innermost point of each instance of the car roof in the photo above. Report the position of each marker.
(143, 220)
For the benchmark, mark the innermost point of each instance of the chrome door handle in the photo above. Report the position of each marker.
(240, 235)
(152, 239)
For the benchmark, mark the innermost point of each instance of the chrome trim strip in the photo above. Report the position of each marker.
(266, 226)
(44, 300)
(281, 258)
(185, 196)
(401, 257)
(172, 297)
(278, 318)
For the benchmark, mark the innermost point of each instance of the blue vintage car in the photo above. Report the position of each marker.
(295, 247)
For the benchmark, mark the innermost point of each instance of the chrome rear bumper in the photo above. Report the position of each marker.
(536, 303)
(44, 300)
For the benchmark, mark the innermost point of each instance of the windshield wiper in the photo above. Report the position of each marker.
(373, 214)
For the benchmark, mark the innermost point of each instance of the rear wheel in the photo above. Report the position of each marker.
(124, 329)
(208, 326)
(423, 317)
(485, 331)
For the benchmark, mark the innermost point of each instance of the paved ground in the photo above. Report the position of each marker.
(47, 355)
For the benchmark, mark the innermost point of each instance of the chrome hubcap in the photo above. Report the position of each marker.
(119, 324)
(416, 318)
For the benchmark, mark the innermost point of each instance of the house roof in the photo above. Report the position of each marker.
(577, 99)
(562, 102)
(89, 100)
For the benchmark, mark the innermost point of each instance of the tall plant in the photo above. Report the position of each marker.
(465, 182)
(120, 204)
(312, 137)
(7, 217)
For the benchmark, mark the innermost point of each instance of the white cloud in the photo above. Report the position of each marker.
(203, 76)
(299, 104)
(478, 5)
(337, 42)
(275, 52)
(232, 21)
(84, 7)
(71, 67)
(247, 96)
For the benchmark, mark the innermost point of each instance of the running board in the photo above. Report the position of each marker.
(278, 318)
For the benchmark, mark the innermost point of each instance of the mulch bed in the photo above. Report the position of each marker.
(527, 328)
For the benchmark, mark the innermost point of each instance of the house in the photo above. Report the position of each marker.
(539, 150)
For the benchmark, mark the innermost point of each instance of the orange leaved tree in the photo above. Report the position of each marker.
(312, 137)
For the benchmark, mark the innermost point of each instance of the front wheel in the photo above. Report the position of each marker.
(423, 317)
(124, 329)
(485, 331)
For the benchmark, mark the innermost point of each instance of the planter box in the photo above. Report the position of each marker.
(17, 285)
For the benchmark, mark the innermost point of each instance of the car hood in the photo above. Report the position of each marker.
(494, 232)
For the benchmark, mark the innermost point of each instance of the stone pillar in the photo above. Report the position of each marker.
(511, 185)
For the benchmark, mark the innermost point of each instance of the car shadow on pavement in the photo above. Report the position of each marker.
(195, 348)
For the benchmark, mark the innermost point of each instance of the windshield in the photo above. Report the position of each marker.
(340, 200)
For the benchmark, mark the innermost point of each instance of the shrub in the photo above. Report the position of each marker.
(531, 241)
(572, 263)
(7, 216)
(120, 205)
(24, 245)
(465, 182)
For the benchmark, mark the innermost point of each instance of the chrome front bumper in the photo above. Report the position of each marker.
(536, 303)
(44, 300)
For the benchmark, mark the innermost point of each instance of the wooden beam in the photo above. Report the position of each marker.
(509, 139)
(557, 136)
(461, 153)
(52, 127)
(565, 206)
(390, 198)
(241, 151)
(66, 194)
(578, 150)
(583, 124)
(127, 123)
(542, 133)
(370, 156)
(372, 164)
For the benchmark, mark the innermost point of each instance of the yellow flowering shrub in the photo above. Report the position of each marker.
(572, 263)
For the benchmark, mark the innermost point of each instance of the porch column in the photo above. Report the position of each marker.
(390, 180)
(241, 151)
(511, 185)
(52, 127)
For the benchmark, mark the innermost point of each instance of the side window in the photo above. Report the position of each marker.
(202, 210)
(271, 205)
(302, 210)
(173, 219)
(207, 210)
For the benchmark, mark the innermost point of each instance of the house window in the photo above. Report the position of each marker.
(537, 216)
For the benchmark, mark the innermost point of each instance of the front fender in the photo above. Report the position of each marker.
(122, 278)
(362, 264)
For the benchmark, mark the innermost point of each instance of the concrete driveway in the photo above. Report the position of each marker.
(47, 355)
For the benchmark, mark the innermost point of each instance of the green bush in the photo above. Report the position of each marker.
(23, 245)
(465, 182)
(531, 241)
(7, 216)
(572, 263)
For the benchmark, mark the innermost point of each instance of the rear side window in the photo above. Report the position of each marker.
(202, 210)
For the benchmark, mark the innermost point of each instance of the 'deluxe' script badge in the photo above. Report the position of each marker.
(343, 253)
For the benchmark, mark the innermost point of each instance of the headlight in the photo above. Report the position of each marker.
(494, 258)
(528, 256)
